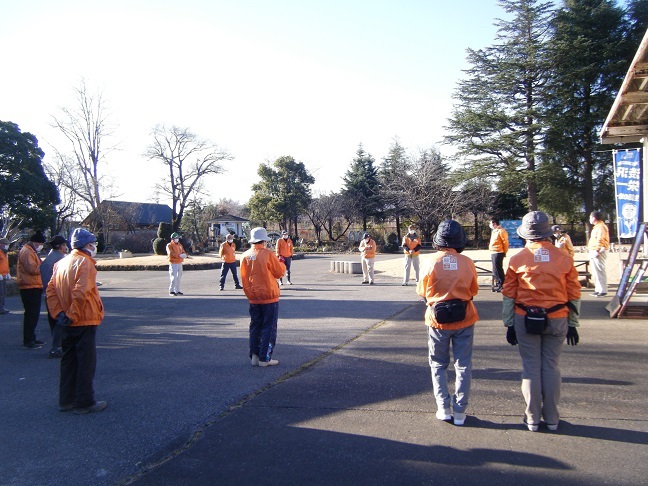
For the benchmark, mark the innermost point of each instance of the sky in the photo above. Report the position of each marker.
(262, 79)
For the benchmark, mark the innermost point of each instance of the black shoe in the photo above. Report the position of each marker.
(371, 283)
(238, 287)
(32, 345)
(179, 293)
(97, 407)
(66, 408)
(55, 353)
(363, 283)
(172, 293)
(221, 289)
(595, 294)
(39, 342)
(601, 295)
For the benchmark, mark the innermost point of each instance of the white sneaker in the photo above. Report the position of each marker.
(254, 360)
(459, 418)
(532, 427)
(443, 414)
(272, 362)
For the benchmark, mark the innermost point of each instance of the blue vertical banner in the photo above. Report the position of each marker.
(627, 183)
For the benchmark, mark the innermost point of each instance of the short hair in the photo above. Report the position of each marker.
(494, 220)
(597, 215)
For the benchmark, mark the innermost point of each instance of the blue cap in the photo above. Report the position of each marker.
(81, 237)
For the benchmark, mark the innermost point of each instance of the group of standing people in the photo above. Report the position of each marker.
(541, 304)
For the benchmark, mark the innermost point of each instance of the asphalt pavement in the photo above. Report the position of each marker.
(350, 403)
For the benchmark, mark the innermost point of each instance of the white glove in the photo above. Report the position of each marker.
(183, 255)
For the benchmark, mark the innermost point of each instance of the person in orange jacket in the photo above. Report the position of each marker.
(448, 285)
(367, 256)
(541, 303)
(73, 299)
(227, 252)
(177, 254)
(31, 288)
(563, 241)
(411, 247)
(598, 246)
(284, 251)
(499, 245)
(260, 269)
(4, 273)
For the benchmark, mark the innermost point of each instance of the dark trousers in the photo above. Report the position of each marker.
(287, 262)
(263, 329)
(31, 299)
(78, 366)
(226, 267)
(57, 331)
(497, 259)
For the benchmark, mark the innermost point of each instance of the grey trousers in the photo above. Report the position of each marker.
(599, 272)
(541, 378)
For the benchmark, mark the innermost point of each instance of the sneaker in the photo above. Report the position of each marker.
(55, 353)
(404, 284)
(39, 342)
(97, 407)
(363, 283)
(280, 282)
(601, 295)
(32, 345)
(289, 282)
(552, 427)
(238, 287)
(443, 414)
(66, 408)
(172, 293)
(459, 418)
(272, 362)
(254, 360)
(371, 283)
(179, 293)
(531, 427)
(221, 289)
(595, 294)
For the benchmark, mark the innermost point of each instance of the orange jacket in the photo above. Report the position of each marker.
(499, 242)
(227, 252)
(174, 250)
(541, 275)
(367, 248)
(28, 272)
(409, 243)
(565, 244)
(600, 237)
(449, 275)
(284, 248)
(73, 290)
(4, 264)
(260, 269)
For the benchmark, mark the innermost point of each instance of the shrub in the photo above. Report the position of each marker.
(159, 246)
(164, 231)
(391, 244)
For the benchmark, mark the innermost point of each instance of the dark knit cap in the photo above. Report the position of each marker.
(37, 237)
(450, 234)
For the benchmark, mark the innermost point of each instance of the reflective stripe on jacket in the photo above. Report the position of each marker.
(260, 269)
(541, 275)
(499, 242)
(367, 248)
(447, 276)
(73, 290)
(28, 271)
(227, 252)
(284, 248)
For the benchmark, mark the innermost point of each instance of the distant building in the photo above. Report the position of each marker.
(220, 227)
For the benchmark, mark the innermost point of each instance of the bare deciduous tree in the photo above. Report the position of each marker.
(85, 126)
(188, 159)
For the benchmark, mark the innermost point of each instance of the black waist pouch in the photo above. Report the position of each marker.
(449, 311)
(535, 320)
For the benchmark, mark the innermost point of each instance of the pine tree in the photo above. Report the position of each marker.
(361, 187)
(497, 121)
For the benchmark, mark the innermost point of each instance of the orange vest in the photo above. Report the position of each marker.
(600, 237)
(28, 271)
(284, 248)
(174, 250)
(449, 275)
(367, 248)
(411, 243)
(541, 275)
(499, 240)
(73, 290)
(260, 269)
(227, 252)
